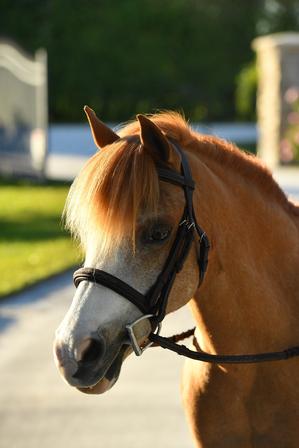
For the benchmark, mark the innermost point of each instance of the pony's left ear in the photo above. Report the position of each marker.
(102, 134)
(153, 139)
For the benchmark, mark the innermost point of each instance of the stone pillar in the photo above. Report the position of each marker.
(278, 98)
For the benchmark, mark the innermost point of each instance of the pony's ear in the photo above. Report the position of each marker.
(153, 139)
(102, 135)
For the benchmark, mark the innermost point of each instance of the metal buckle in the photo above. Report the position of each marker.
(188, 224)
(134, 343)
(202, 236)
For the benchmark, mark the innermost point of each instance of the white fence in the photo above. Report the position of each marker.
(23, 111)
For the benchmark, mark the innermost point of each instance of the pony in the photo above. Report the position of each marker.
(126, 220)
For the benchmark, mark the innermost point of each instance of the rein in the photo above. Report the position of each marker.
(170, 343)
(153, 304)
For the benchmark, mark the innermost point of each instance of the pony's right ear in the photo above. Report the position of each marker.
(153, 139)
(102, 134)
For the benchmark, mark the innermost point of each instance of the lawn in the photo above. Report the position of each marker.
(33, 243)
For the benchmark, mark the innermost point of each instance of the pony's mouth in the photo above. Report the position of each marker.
(110, 376)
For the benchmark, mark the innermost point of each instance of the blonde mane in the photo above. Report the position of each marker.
(121, 180)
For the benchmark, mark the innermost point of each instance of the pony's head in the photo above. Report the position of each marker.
(126, 221)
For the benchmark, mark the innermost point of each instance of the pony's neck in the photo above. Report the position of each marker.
(249, 300)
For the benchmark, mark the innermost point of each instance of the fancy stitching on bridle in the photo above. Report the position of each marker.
(153, 304)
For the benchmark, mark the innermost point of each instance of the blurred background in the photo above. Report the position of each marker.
(125, 57)
(230, 66)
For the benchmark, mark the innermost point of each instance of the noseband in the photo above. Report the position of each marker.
(154, 302)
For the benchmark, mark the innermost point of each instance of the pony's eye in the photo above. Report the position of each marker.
(156, 234)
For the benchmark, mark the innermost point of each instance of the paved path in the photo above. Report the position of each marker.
(38, 410)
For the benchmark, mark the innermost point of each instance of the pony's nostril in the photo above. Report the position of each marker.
(79, 351)
(90, 350)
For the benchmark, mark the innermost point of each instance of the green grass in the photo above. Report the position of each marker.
(33, 244)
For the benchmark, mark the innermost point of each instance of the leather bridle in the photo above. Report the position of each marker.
(154, 302)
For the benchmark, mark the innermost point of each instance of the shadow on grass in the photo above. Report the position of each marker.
(30, 182)
(35, 227)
